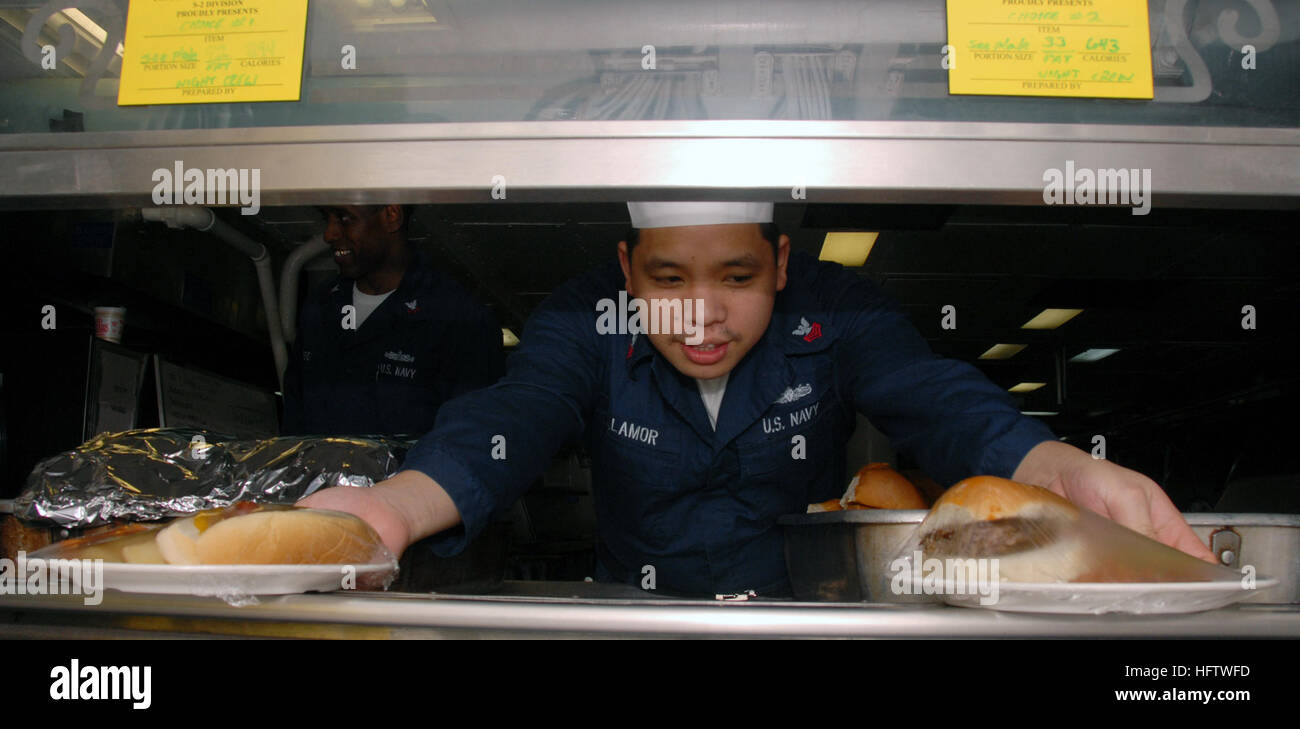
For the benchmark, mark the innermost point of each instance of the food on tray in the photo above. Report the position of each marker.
(133, 543)
(831, 505)
(1038, 536)
(242, 534)
(877, 486)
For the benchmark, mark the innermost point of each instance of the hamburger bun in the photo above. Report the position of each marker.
(270, 535)
(1032, 532)
(176, 541)
(990, 497)
(132, 543)
(832, 505)
(246, 533)
(878, 486)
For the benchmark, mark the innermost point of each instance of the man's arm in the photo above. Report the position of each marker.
(943, 413)
(488, 446)
(957, 424)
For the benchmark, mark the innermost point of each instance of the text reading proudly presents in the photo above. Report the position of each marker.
(212, 51)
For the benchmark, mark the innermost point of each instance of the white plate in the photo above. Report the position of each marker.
(1093, 598)
(236, 580)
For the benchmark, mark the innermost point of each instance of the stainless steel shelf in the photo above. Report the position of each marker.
(833, 161)
(553, 611)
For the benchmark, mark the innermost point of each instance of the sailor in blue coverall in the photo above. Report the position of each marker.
(412, 340)
(700, 443)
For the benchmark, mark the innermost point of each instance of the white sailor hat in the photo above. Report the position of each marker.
(674, 214)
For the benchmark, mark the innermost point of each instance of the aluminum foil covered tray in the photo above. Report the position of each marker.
(156, 473)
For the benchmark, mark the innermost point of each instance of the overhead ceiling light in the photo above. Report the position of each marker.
(91, 27)
(88, 25)
(508, 338)
(1040, 413)
(1003, 351)
(1092, 355)
(1028, 386)
(405, 16)
(399, 22)
(848, 249)
(1051, 318)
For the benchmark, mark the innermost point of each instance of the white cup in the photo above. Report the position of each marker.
(108, 323)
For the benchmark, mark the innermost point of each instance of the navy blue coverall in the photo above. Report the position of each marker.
(700, 507)
(428, 342)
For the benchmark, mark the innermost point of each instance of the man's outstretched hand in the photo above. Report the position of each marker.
(1113, 491)
(403, 509)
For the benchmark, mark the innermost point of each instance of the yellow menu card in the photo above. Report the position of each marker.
(212, 51)
(1090, 48)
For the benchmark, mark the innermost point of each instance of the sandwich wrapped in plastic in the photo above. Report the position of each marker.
(151, 474)
(1034, 539)
(237, 551)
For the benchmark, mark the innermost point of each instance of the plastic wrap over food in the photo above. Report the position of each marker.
(1005, 545)
(146, 475)
(238, 552)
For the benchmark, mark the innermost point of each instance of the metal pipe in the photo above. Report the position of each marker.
(266, 282)
(203, 219)
(314, 247)
(184, 216)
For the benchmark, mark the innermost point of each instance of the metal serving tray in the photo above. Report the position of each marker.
(1268, 542)
(843, 556)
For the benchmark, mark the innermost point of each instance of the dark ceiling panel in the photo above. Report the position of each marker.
(1166, 289)
(876, 217)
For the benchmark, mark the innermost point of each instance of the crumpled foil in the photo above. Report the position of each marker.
(158, 473)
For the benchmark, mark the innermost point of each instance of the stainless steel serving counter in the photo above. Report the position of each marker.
(559, 609)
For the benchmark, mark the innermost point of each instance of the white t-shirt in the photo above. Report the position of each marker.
(366, 303)
(711, 392)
